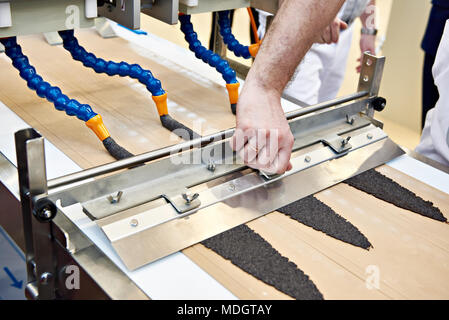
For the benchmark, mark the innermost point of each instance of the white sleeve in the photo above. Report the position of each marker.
(435, 138)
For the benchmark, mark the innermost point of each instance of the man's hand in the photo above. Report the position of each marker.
(331, 34)
(367, 44)
(262, 138)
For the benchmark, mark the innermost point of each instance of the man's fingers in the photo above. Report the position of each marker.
(343, 25)
(251, 149)
(238, 141)
(280, 164)
(335, 31)
(283, 160)
(263, 158)
(327, 37)
(267, 155)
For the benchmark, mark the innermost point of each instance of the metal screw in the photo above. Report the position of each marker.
(189, 199)
(116, 198)
(369, 62)
(231, 187)
(134, 223)
(33, 267)
(369, 136)
(45, 278)
(46, 213)
(307, 159)
(366, 78)
(349, 120)
(344, 142)
(211, 165)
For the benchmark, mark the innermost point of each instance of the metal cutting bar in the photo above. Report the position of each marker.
(160, 153)
(163, 239)
(234, 188)
(156, 179)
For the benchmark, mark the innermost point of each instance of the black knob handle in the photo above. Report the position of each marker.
(44, 210)
(379, 104)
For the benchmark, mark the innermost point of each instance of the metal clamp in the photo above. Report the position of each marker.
(184, 201)
(338, 144)
(37, 214)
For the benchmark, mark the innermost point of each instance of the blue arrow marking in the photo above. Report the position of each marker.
(15, 283)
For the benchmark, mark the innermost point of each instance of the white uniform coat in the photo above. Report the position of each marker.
(435, 137)
(319, 76)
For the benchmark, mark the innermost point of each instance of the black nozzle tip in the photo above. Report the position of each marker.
(234, 108)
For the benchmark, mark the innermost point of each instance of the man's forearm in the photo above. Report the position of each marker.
(290, 36)
(368, 18)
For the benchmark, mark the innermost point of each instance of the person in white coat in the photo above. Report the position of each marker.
(319, 76)
(435, 137)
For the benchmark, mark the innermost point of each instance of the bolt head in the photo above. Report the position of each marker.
(211, 166)
(134, 223)
(46, 213)
(45, 278)
(307, 159)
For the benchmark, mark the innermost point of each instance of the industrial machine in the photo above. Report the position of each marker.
(139, 218)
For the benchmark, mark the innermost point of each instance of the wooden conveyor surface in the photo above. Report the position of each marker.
(411, 251)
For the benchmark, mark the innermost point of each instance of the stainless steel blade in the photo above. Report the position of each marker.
(160, 240)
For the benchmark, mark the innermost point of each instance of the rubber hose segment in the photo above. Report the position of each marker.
(115, 150)
(178, 128)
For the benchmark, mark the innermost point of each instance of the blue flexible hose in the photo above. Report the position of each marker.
(208, 56)
(228, 38)
(43, 89)
(111, 68)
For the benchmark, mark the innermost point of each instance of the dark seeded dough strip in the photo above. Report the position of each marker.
(250, 252)
(383, 188)
(317, 215)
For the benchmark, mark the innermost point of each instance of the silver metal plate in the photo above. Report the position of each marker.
(146, 183)
(151, 240)
(125, 12)
(164, 10)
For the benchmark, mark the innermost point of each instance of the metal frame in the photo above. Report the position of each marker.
(32, 182)
(53, 245)
(204, 193)
(164, 10)
(46, 16)
(124, 12)
(321, 135)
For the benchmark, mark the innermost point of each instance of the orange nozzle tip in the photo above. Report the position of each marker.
(97, 126)
(161, 104)
(233, 91)
(253, 49)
